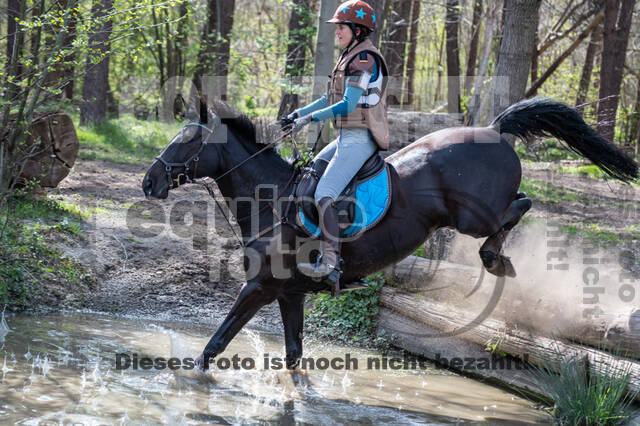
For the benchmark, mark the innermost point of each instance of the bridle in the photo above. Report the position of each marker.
(168, 166)
(195, 158)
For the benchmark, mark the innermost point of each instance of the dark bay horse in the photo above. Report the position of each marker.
(465, 178)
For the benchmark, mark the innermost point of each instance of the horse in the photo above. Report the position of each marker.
(466, 178)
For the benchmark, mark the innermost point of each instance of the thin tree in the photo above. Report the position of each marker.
(411, 56)
(556, 63)
(95, 88)
(381, 8)
(213, 59)
(395, 47)
(452, 23)
(322, 60)
(298, 42)
(473, 46)
(587, 68)
(516, 48)
(617, 25)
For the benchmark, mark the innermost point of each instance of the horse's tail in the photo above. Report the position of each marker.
(544, 117)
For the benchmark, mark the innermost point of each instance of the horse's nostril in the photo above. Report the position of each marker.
(147, 186)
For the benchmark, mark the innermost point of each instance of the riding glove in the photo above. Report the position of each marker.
(299, 123)
(288, 120)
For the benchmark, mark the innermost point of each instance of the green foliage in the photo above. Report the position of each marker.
(125, 139)
(351, 318)
(29, 265)
(583, 397)
(547, 150)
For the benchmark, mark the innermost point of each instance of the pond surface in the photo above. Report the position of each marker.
(64, 368)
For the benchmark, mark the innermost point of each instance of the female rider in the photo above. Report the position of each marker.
(356, 102)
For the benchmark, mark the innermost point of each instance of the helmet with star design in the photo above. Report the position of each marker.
(355, 12)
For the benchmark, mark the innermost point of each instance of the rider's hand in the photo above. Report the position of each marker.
(299, 123)
(288, 120)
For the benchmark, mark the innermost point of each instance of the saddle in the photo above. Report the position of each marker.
(361, 205)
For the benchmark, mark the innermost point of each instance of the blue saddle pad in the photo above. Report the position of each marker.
(373, 198)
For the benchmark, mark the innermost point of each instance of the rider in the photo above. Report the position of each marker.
(356, 102)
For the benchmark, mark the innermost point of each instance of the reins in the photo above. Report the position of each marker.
(195, 158)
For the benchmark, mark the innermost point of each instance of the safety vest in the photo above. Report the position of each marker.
(371, 111)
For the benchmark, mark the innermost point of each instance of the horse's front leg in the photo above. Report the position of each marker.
(292, 311)
(253, 296)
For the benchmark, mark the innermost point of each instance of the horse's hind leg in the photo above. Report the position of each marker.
(492, 260)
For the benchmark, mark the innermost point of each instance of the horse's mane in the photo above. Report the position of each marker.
(243, 128)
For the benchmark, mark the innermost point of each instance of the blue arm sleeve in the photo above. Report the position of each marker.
(314, 106)
(342, 108)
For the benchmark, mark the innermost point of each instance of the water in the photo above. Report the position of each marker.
(62, 369)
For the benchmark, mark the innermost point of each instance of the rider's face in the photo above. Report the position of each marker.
(343, 35)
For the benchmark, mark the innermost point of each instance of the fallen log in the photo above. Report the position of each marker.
(450, 283)
(55, 151)
(459, 354)
(512, 339)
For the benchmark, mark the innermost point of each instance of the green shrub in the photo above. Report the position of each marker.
(350, 318)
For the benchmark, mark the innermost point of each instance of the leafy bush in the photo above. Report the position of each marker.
(350, 318)
(28, 262)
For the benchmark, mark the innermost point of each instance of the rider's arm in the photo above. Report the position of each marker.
(314, 106)
(341, 108)
(361, 71)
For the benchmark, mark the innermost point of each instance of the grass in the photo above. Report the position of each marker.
(349, 319)
(544, 191)
(583, 397)
(125, 139)
(30, 267)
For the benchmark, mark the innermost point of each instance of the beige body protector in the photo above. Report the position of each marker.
(371, 111)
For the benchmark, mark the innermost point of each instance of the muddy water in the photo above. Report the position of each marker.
(63, 369)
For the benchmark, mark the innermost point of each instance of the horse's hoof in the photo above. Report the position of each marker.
(201, 364)
(501, 267)
(509, 270)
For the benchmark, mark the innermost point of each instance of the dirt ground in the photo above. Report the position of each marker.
(177, 273)
(165, 276)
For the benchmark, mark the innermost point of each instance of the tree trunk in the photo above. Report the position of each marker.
(411, 58)
(473, 47)
(475, 106)
(299, 20)
(322, 63)
(15, 42)
(452, 21)
(617, 25)
(534, 61)
(210, 77)
(96, 79)
(380, 7)
(514, 62)
(394, 50)
(587, 68)
(536, 84)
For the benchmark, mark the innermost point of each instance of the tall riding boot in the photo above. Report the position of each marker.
(328, 264)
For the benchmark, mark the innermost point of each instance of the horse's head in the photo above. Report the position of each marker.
(189, 155)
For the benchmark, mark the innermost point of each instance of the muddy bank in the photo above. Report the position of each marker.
(170, 273)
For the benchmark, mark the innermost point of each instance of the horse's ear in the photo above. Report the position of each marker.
(204, 116)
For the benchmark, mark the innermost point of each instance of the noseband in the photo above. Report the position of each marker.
(168, 166)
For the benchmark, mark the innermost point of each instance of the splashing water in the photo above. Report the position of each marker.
(89, 388)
